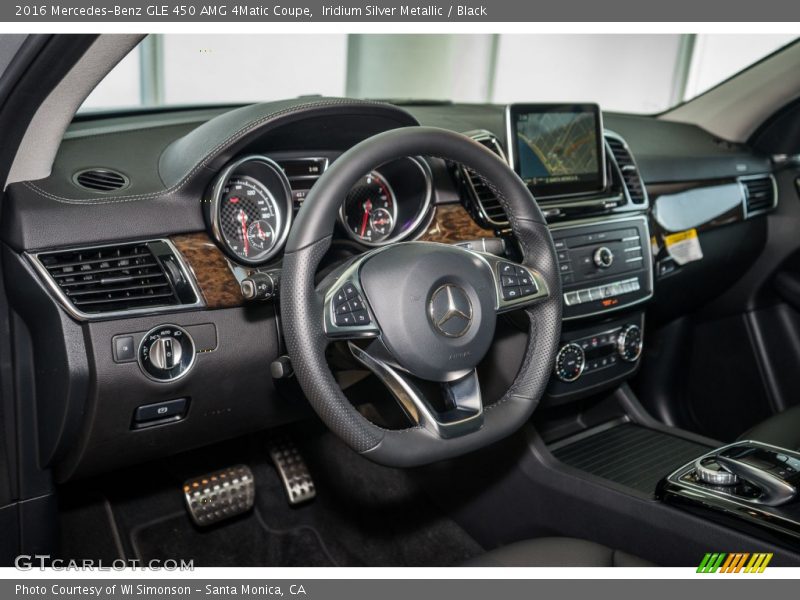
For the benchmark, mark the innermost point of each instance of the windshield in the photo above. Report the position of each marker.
(628, 73)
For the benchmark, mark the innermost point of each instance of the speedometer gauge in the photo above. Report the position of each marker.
(251, 209)
(370, 211)
(248, 218)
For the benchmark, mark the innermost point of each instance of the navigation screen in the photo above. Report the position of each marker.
(557, 149)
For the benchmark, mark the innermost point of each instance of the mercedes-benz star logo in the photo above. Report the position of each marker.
(450, 310)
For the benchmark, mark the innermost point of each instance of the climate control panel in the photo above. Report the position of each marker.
(598, 356)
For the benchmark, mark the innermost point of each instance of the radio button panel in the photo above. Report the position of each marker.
(605, 265)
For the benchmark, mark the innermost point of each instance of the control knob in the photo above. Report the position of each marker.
(603, 257)
(166, 353)
(711, 472)
(629, 343)
(570, 362)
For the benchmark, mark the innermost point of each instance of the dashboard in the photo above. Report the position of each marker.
(147, 283)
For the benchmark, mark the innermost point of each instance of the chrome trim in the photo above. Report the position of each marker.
(182, 373)
(126, 181)
(74, 312)
(424, 210)
(621, 342)
(741, 179)
(777, 491)
(216, 192)
(646, 201)
(392, 197)
(676, 477)
(648, 262)
(452, 310)
(604, 184)
(464, 393)
(478, 135)
(714, 477)
(583, 362)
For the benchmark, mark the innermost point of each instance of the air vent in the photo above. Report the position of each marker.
(486, 204)
(627, 167)
(759, 194)
(101, 180)
(126, 277)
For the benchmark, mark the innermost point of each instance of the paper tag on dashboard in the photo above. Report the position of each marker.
(684, 247)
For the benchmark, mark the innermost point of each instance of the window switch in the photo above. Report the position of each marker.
(124, 350)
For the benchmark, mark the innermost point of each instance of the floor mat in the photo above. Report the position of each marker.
(243, 542)
(367, 514)
(364, 514)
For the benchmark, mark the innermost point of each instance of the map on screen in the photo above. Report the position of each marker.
(557, 147)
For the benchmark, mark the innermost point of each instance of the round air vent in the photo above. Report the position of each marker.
(100, 180)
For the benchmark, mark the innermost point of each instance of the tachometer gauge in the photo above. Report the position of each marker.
(250, 210)
(370, 211)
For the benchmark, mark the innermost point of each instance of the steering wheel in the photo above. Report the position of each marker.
(419, 312)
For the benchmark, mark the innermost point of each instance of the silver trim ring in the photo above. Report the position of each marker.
(285, 221)
(424, 210)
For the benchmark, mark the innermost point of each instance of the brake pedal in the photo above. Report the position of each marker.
(220, 495)
(296, 478)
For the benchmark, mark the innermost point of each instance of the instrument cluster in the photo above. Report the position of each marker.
(252, 202)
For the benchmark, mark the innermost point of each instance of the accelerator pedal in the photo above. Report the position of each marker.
(296, 478)
(220, 495)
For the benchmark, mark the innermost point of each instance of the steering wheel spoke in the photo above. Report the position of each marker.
(517, 286)
(462, 411)
(347, 314)
(420, 315)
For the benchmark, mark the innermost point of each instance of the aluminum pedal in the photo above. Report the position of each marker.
(220, 495)
(297, 481)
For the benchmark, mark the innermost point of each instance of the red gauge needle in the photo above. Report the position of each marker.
(243, 220)
(365, 219)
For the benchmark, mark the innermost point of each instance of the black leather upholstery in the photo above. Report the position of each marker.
(556, 552)
(782, 429)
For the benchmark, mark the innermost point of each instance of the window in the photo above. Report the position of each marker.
(630, 73)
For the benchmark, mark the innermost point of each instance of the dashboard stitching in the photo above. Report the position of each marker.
(233, 138)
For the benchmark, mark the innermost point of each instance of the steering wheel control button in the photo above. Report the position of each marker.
(450, 310)
(570, 362)
(516, 282)
(166, 353)
(349, 308)
(124, 349)
(350, 291)
(160, 412)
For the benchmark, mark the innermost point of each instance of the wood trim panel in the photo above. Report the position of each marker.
(451, 224)
(210, 268)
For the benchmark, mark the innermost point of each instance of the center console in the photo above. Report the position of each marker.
(749, 485)
(588, 186)
(606, 273)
